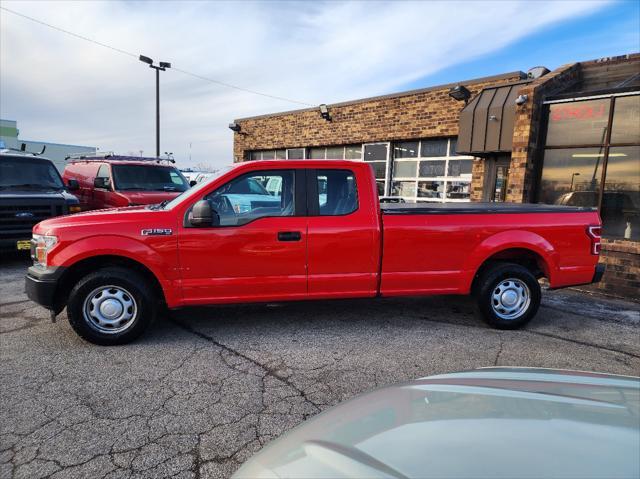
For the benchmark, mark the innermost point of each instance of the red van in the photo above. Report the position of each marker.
(113, 181)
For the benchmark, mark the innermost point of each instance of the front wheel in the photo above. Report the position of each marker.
(508, 295)
(111, 306)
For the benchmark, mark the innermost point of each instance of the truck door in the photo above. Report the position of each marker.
(101, 196)
(258, 250)
(343, 235)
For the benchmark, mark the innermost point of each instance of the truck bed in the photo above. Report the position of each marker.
(476, 208)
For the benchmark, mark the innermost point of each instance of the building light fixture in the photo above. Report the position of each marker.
(324, 112)
(460, 93)
(522, 99)
(234, 127)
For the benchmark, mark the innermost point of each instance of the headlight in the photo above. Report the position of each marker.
(75, 209)
(40, 247)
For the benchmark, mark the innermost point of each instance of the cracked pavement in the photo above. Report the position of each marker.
(204, 390)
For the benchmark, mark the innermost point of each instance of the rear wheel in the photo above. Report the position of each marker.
(508, 295)
(111, 306)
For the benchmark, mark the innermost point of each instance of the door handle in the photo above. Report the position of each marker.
(289, 236)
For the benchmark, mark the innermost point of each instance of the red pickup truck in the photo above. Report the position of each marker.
(317, 232)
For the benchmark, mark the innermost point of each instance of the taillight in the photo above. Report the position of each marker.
(594, 233)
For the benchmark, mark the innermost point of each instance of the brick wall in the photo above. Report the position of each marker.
(622, 274)
(418, 114)
(477, 179)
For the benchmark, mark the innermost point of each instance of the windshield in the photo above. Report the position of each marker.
(200, 186)
(28, 173)
(148, 178)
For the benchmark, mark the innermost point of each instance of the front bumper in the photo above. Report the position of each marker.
(598, 273)
(41, 286)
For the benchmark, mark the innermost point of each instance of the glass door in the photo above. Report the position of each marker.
(377, 155)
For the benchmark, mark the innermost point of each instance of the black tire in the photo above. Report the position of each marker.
(126, 290)
(501, 283)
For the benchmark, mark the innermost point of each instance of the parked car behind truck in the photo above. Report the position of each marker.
(115, 269)
(113, 181)
(31, 190)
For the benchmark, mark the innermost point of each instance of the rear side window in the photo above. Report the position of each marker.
(255, 195)
(337, 192)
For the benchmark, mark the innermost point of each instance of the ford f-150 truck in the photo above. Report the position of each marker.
(115, 270)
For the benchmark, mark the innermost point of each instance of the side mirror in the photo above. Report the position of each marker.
(193, 183)
(73, 185)
(102, 182)
(203, 215)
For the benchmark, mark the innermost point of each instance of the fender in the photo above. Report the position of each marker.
(509, 240)
(165, 272)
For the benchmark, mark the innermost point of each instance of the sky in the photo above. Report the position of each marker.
(66, 90)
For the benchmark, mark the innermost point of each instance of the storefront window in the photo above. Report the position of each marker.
(335, 153)
(422, 171)
(403, 188)
(281, 154)
(588, 170)
(620, 210)
(458, 190)
(578, 123)
(353, 152)
(432, 167)
(431, 189)
(405, 169)
(626, 120)
(295, 154)
(317, 153)
(405, 149)
(571, 176)
(268, 155)
(436, 147)
(459, 167)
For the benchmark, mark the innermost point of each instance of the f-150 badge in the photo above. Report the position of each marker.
(156, 232)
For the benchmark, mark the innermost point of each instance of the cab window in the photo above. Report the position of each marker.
(337, 193)
(103, 171)
(252, 196)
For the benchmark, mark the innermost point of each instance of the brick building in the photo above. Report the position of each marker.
(570, 136)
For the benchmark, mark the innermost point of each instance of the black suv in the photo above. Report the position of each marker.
(31, 190)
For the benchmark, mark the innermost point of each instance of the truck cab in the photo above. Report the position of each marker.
(115, 181)
(322, 233)
(31, 190)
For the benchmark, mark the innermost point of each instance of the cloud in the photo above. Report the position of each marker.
(66, 90)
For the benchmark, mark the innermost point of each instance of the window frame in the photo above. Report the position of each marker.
(313, 198)
(300, 208)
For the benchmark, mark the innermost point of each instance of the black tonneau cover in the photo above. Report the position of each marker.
(476, 208)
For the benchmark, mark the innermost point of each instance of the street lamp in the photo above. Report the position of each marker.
(162, 66)
(572, 178)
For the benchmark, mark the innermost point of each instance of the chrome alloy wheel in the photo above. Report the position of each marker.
(110, 309)
(510, 298)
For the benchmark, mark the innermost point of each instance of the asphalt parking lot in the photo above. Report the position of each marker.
(204, 390)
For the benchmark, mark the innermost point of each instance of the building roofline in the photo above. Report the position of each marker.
(501, 76)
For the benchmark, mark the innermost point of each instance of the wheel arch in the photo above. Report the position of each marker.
(524, 257)
(524, 248)
(85, 266)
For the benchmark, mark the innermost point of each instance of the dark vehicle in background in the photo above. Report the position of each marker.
(114, 181)
(31, 190)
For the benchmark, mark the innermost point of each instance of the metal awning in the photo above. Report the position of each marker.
(486, 122)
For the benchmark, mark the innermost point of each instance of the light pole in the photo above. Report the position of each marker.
(572, 178)
(162, 66)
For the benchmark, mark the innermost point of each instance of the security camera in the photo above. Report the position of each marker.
(522, 99)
